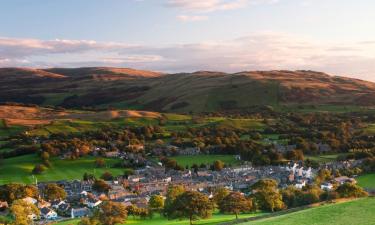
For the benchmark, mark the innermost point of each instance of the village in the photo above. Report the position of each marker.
(82, 198)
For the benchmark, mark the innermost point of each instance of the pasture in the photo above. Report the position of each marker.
(323, 158)
(206, 159)
(157, 220)
(18, 169)
(367, 181)
(356, 212)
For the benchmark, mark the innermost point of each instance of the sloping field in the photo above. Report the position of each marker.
(18, 169)
(357, 212)
(29, 116)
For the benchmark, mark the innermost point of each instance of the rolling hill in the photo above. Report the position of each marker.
(124, 88)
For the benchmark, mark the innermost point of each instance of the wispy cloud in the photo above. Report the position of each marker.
(207, 5)
(259, 51)
(191, 18)
(193, 9)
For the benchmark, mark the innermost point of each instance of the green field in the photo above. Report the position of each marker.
(357, 212)
(323, 158)
(6, 132)
(157, 220)
(367, 181)
(19, 169)
(206, 159)
(370, 130)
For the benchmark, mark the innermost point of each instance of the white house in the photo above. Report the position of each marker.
(33, 216)
(92, 203)
(30, 200)
(78, 213)
(326, 186)
(47, 213)
(300, 184)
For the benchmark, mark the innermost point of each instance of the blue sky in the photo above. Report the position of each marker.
(334, 36)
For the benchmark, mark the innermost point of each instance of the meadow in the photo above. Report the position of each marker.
(324, 158)
(18, 169)
(205, 159)
(157, 220)
(356, 212)
(367, 181)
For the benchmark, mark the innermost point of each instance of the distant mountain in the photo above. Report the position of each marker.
(103, 87)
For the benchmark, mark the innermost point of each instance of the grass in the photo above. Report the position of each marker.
(206, 159)
(324, 158)
(357, 212)
(367, 181)
(157, 220)
(66, 126)
(370, 130)
(12, 130)
(320, 108)
(19, 169)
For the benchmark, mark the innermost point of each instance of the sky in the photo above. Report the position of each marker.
(332, 36)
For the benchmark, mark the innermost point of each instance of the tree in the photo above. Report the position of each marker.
(128, 172)
(348, 190)
(173, 192)
(322, 176)
(219, 194)
(192, 205)
(88, 221)
(99, 162)
(101, 186)
(53, 192)
(12, 192)
(87, 177)
(235, 203)
(267, 195)
(218, 165)
(107, 176)
(111, 213)
(38, 169)
(5, 123)
(21, 211)
(156, 203)
(44, 156)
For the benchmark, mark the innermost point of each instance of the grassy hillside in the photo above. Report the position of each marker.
(185, 92)
(206, 159)
(357, 212)
(367, 181)
(18, 169)
(157, 220)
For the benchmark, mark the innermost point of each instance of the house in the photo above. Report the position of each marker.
(80, 212)
(112, 154)
(56, 204)
(30, 200)
(43, 204)
(3, 206)
(32, 216)
(47, 213)
(300, 184)
(326, 186)
(344, 179)
(92, 203)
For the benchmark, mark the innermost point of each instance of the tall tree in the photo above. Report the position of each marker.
(218, 165)
(219, 194)
(235, 203)
(22, 210)
(192, 205)
(173, 192)
(111, 213)
(156, 203)
(53, 192)
(267, 195)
